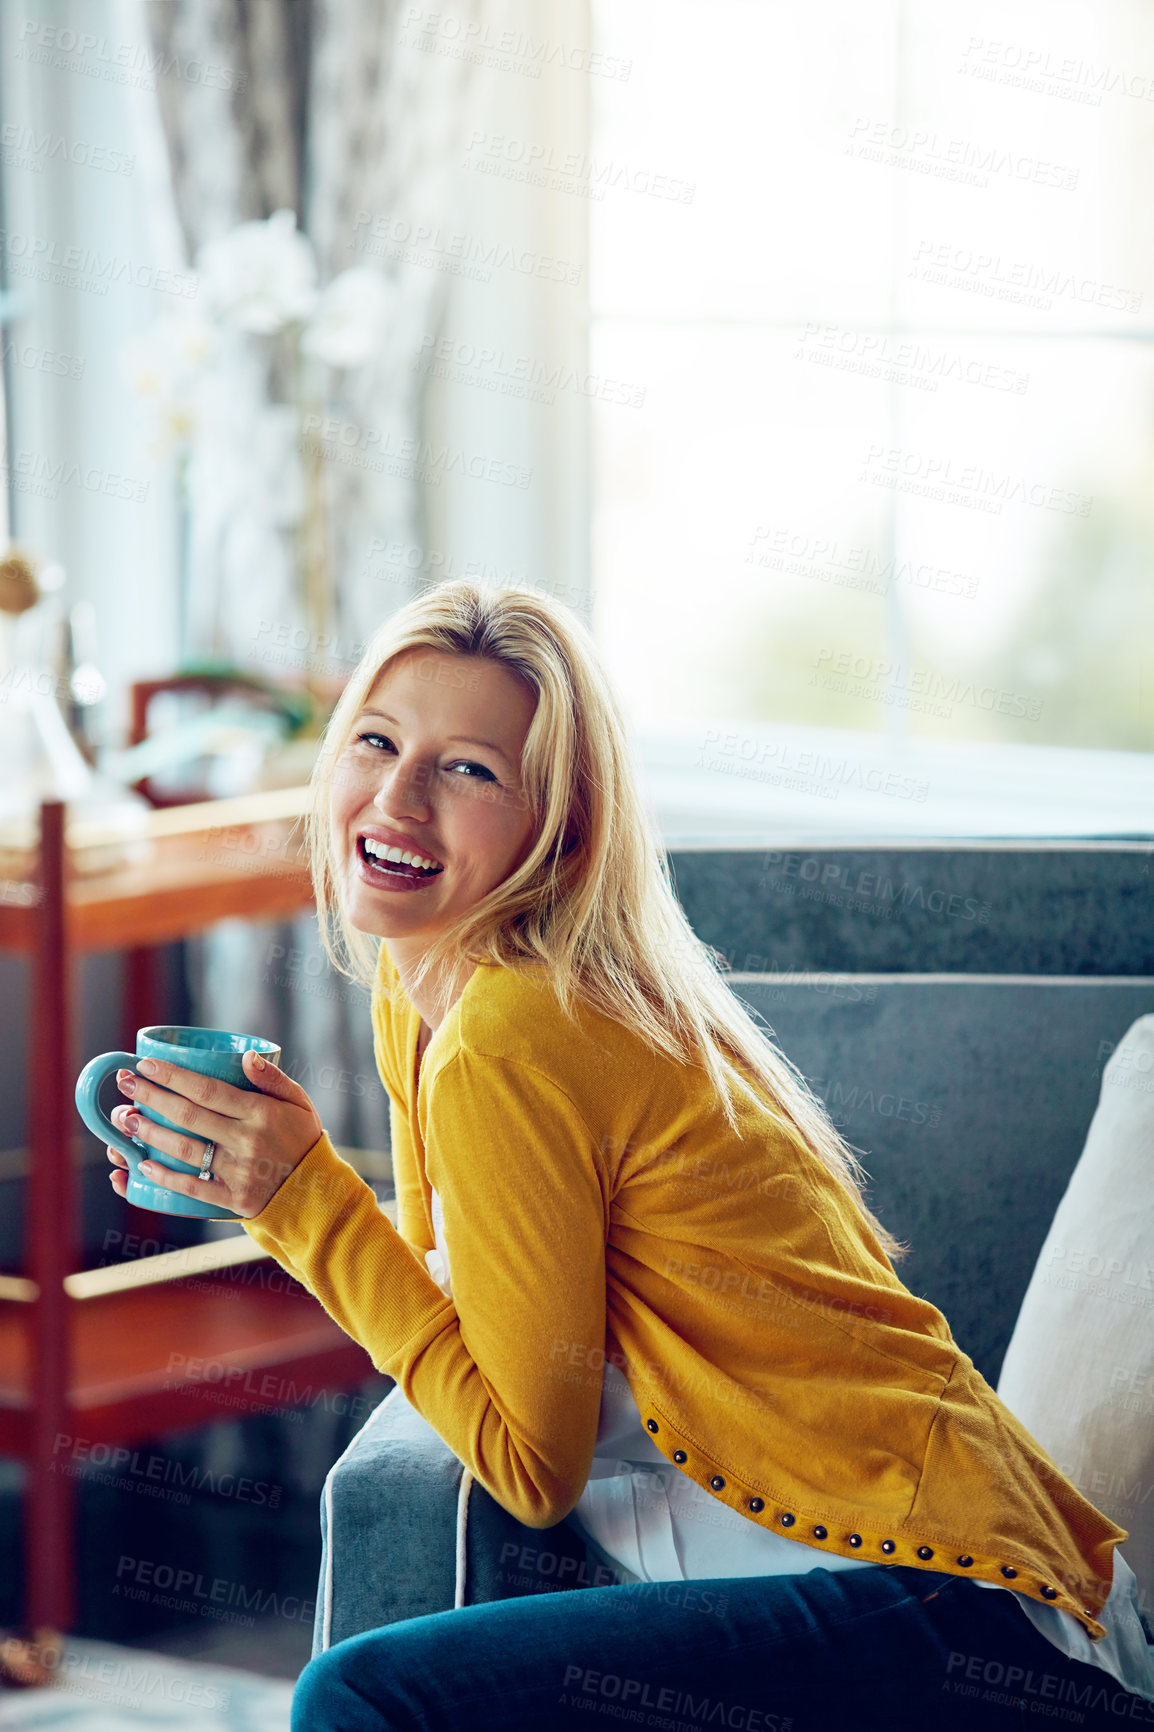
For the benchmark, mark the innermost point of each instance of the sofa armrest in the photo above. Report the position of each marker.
(391, 1511)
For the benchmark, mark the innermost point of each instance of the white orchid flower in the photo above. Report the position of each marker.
(351, 319)
(261, 276)
(166, 365)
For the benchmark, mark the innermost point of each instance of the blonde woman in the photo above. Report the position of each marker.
(634, 1283)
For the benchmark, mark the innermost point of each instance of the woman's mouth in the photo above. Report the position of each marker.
(394, 868)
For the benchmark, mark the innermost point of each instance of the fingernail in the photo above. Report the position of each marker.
(257, 1061)
(128, 1085)
(147, 1065)
(131, 1122)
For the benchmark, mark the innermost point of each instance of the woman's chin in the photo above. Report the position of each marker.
(379, 922)
(384, 918)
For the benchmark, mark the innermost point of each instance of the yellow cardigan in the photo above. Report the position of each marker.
(596, 1205)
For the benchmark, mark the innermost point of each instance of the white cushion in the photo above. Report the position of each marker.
(1079, 1370)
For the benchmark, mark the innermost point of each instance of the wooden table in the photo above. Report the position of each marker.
(120, 1354)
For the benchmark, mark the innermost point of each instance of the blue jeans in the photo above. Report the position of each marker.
(888, 1649)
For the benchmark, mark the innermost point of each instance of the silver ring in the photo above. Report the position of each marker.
(206, 1161)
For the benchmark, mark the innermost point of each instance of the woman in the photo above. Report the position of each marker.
(634, 1281)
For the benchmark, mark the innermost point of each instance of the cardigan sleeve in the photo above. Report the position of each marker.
(508, 1370)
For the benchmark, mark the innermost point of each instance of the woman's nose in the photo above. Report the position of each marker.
(406, 789)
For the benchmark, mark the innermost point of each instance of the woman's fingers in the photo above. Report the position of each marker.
(116, 1157)
(160, 1082)
(188, 1149)
(261, 1134)
(203, 1121)
(184, 1148)
(197, 1119)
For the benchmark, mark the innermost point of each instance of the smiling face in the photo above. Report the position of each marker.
(426, 809)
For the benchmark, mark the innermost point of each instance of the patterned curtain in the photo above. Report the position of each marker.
(326, 110)
(385, 126)
(235, 141)
(236, 154)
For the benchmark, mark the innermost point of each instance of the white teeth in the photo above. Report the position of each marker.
(404, 857)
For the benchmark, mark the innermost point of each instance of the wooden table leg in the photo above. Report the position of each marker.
(143, 1008)
(142, 993)
(50, 1511)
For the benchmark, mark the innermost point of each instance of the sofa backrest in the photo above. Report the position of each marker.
(954, 1006)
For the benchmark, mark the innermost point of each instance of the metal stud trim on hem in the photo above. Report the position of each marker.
(755, 1506)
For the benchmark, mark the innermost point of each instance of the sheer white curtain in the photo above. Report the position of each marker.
(507, 367)
(84, 272)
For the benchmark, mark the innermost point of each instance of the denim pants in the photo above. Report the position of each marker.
(887, 1649)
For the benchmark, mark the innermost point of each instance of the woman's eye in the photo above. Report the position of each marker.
(485, 774)
(476, 772)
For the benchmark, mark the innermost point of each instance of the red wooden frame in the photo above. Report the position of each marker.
(103, 1367)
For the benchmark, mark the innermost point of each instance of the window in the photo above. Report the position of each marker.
(875, 291)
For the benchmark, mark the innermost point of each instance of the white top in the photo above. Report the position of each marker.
(661, 1526)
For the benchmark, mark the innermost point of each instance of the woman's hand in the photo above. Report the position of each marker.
(260, 1138)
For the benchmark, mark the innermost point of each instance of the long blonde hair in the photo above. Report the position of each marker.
(593, 900)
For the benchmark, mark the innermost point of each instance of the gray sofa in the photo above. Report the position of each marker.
(954, 1006)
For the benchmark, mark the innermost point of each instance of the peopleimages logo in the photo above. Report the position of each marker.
(850, 565)
(883, 681)
(24, 147)
(504, 48)
(206, 1595)
(373, 448)
(1045, 71)
(582, 1686)
(49, 260)
(135, 63)
(1020, 281)
(38, 359)
(902, 360)
(813, 771)
(36, 472)
(546, 165)
(857, 888)
(493, 368)
(455, 251)
(153, 1474)
(966, 160)
(935, 476)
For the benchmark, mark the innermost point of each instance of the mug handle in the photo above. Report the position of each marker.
(88, 1086)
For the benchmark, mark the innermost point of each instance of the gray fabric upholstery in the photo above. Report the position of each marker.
(969, 1098)
(389, 1533)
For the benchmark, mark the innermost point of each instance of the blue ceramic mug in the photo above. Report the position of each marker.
(213, 1052)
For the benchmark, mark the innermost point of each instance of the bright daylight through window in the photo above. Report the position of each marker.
(880, 292)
